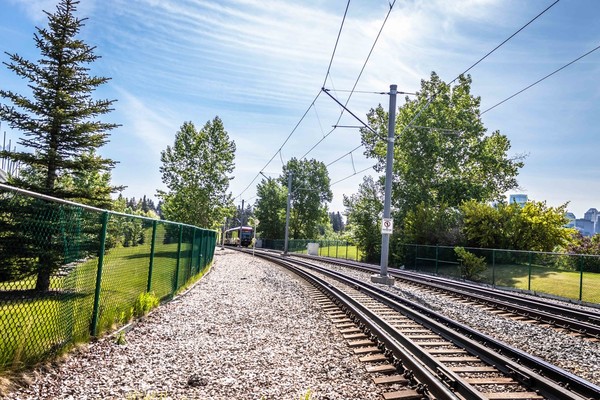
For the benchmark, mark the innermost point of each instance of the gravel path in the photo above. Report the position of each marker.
(247, 330)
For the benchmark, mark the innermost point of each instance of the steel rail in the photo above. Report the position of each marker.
(530, 370)
(404, 361)
(586, 322)
(551, 381)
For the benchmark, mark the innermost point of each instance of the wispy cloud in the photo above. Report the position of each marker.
(35, 8)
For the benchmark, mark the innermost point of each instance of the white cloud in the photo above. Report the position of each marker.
(35, 8)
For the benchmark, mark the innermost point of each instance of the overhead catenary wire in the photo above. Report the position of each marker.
(422, 108)
(352, 91)
(540, 80)
(307, 110)
(354, 174)
(337, 40)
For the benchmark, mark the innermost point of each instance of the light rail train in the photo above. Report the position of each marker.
(239, 236)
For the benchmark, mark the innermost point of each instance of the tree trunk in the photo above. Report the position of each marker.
(42, 283)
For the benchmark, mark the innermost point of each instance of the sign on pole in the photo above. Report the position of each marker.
(387, 226)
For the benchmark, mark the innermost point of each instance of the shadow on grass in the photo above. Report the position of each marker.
(513, 275)
(157, 254)
(35, 295)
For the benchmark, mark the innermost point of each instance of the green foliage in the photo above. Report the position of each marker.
(337, 223)
(588, 245)
(363, 211)
(470, 265)
(446, 156)
(432, 225)
(121, 339)
(535, 226)
(60, 133)
(145, 303)
(38, 237)
(310, 193)
(196, 171)
(59, 123)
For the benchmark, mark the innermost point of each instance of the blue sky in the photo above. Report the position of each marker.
(259, 64)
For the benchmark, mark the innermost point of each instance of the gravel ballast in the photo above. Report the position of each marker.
(569, 352)
(247, 330)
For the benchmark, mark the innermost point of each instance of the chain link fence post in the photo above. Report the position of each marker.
(96, 308)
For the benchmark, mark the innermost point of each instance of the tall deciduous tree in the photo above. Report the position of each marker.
(197, 171)
(270, 208)
(364, 210)
(444, 154)
(310, 195)
(61, 131)
(59, 123)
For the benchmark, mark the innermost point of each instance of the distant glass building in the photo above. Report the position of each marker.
(572, 218)
(520, 199)
(585, 226)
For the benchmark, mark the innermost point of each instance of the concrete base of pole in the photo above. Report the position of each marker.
(383, 279)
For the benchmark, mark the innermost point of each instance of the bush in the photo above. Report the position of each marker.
(470, 265)
(145, 303)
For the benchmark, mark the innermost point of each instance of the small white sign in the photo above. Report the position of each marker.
(387, 226)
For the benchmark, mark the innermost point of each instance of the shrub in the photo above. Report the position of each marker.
(145, 303)
(470, 265)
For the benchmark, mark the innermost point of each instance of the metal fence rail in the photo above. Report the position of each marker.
(570, 276)
(327, 248)
(69, 271)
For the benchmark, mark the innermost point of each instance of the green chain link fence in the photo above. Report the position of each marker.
(69, 272)
(570, 276)
(327, 248)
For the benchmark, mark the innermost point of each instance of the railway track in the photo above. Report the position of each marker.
(562, 317)
(433, 356)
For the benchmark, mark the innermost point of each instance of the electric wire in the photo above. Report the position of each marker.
(281, 147)
(540, 80)
(422, 108)
(355, 173)
(362, 70)
(506, 40)
(307, 110)
(337, 40)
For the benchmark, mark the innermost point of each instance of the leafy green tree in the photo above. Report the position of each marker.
(433, 225)
(310, 195)
(61, 132)
(534, 227)
(586, 245)
(270, 208)
(197, 171)
(363, 211)
(445, 156)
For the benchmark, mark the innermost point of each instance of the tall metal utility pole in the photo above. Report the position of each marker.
(287, 214)
(387, 222)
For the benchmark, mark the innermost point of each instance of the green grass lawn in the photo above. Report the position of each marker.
(34, 325)
(546, 280)
(349, 252)
(550, 281)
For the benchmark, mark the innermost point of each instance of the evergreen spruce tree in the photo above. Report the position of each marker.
(59, 122)
(61, 131)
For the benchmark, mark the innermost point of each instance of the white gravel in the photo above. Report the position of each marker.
(247, 330)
